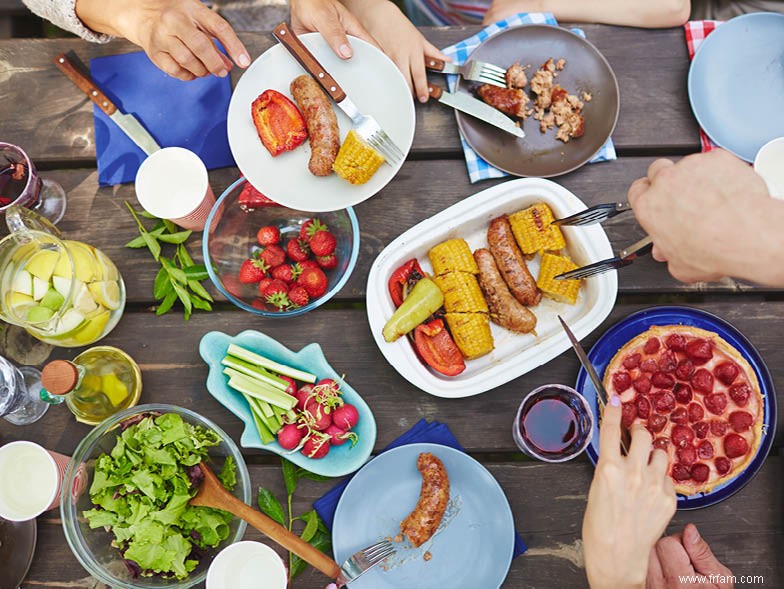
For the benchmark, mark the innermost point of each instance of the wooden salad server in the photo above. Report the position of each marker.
(213, 494)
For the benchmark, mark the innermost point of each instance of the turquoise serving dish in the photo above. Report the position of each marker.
(341, 460)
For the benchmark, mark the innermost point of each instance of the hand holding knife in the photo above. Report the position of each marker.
(128, 123)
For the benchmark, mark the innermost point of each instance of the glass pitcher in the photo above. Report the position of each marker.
(63, 292)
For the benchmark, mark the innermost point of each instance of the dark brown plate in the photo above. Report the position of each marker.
(541, 154)
(17, 545)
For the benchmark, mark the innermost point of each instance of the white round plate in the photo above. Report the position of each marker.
(370, 79)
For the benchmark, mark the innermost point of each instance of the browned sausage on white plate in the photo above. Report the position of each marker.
(423, 522)
(511, 262)
(504, 308)
(322, 123)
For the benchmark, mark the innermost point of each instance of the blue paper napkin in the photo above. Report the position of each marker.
(176, 113)
(479, 169)
(422, 432)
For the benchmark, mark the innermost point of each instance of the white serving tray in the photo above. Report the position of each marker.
(514, 354)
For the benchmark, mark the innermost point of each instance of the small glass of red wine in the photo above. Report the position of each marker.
(21, 184)
(554, 423)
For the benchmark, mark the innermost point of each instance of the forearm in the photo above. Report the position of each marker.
(96, 14)
(63, 14)
(759, 246)
(360, 8)
(635, 13)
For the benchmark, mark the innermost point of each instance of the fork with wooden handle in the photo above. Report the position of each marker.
(213, 494)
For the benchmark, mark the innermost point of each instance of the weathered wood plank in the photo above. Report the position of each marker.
(98, 216)
(173, 372)
(651, 68)
(547, 501)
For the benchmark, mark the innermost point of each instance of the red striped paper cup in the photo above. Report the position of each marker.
(80, 480)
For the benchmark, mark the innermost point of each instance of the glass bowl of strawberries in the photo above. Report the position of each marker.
(275, 261)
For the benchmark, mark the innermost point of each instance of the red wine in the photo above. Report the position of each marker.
(553, 423)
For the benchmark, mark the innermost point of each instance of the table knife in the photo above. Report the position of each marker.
(601, 393)
(476, 108)
(128, 123)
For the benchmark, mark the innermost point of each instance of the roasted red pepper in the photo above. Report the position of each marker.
(409, 271)
(279, 123)
(250, 199)
(438, 349)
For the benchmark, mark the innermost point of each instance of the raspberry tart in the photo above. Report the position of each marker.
(699, 398)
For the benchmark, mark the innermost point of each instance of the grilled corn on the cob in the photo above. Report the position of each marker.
(533, 231)
(461, 293)
(564, 291)
(357, 161)
(471, 332)
(452, 255)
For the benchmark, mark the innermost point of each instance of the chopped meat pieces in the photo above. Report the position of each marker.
(515, 77)
(559, 65)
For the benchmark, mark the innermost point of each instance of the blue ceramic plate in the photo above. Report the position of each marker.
(736, 83)
(626, 329)
(472, 547)
(341, 460)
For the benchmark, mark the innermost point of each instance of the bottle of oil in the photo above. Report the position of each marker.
(98, 383)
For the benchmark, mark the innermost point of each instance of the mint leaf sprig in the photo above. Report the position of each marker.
(179, 277)
(314, 531)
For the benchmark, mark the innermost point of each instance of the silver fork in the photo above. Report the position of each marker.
(479, 71)
(366, 126)
(595, 214)
(624, 258)
(364, 560)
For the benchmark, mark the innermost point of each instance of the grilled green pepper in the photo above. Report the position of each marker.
(423, 300)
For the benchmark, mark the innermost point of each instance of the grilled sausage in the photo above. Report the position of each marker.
(504, 309)
(321, 121)
(511, 101)
(511, 262)
(423, 522)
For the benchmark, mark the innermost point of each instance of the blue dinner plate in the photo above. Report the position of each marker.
(736, 83)
(619, 334)
(472, 547)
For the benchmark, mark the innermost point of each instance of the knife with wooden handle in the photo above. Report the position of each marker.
(128, 123)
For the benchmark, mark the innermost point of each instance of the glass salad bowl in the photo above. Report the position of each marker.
(230, 239)
(92, 547)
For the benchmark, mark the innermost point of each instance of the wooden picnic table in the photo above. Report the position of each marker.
(41, 111)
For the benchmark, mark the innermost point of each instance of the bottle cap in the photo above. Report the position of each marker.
(59, 377)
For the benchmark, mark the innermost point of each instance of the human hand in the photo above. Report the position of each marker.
(330, 18)
(399, 39)
(686, 555)
(707, 215)
(630, 502)
(177, 35)
(501, 9)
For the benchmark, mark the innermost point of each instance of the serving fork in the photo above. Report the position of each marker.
(478, 71)
(597, 214)
(362, 561)
(366, 126)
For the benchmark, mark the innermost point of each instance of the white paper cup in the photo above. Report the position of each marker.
(769, 164)
(29, 481)
(247, 565)
(172, 184)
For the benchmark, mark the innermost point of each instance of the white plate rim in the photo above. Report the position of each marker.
(400, 354)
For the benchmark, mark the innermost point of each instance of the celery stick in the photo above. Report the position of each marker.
(264, 433)
(266, 409)
(268, 420)
(291, 417)
(248, 356)
(258, 389)
(255, 372)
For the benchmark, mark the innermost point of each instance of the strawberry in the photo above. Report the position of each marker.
(279, 300)
(268, 235)
(308, 264)
(252, 271)
(323, 243)
(314, 280)
(263, 284)
(309, 228)
(273, 255)
(288, 273)
(298, 295)
(298, 250)
(327, 262)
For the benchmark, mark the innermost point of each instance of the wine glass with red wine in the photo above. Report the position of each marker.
(20, 184)
(554, 423)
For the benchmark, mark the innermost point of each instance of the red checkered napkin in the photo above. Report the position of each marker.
(696, 32)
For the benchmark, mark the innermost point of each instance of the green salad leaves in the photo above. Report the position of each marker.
(141, 492)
